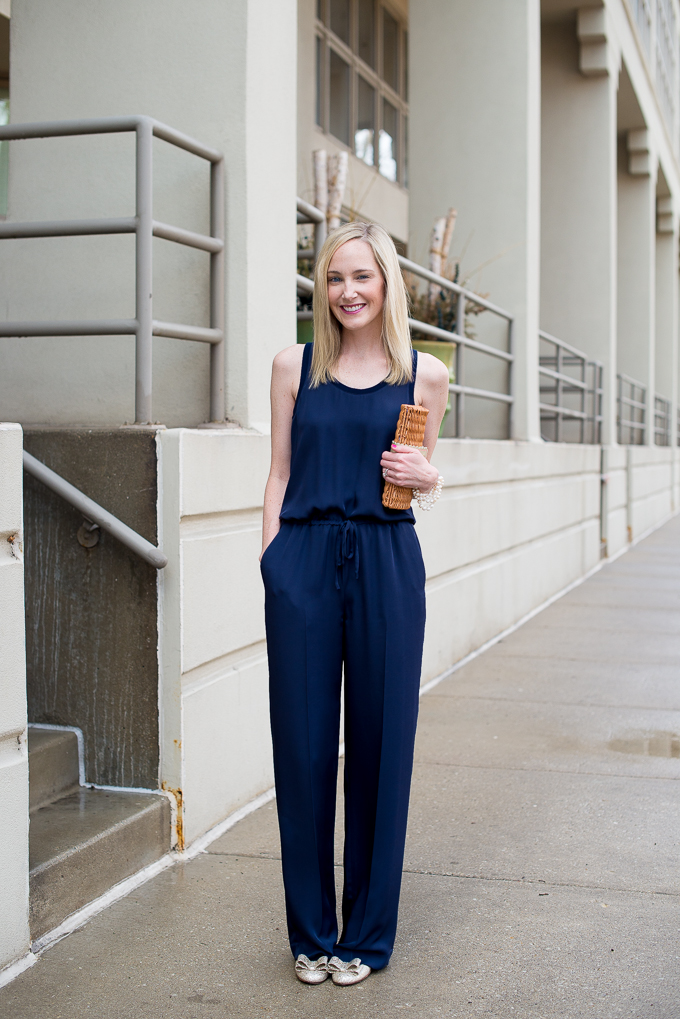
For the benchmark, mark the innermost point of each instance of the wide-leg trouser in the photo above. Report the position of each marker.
(354, 594)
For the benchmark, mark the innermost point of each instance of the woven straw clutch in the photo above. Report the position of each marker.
(410, 432)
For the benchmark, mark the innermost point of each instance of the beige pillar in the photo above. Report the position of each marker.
(578, 195)
(666, 353)
(636, 265)
(474, 144)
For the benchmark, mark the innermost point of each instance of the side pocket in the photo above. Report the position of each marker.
(265, 554)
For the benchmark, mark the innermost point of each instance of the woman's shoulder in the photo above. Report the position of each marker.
(431, 369)
(289, 357)
(287, 369)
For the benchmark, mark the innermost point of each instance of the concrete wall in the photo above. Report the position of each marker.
(14, 938)
(223, 71)
(215, 743)
(91, 613)
(517, 522)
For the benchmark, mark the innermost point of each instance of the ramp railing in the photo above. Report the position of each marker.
(662, 421)
(571, 390)
(631, 420)
(144, 327)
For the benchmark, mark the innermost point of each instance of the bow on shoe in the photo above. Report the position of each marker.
(305, 965)
(338, 966)
(346, 973)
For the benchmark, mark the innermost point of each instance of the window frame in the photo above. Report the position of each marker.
(358, 67)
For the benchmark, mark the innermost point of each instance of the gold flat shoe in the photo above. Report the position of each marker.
(311, 972)
(346, 973)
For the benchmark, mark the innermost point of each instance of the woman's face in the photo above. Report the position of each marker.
(356, 288)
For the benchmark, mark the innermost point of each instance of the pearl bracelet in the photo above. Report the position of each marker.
(426, 500)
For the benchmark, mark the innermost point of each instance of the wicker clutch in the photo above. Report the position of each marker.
(410, 432)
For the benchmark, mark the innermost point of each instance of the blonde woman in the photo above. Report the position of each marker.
(345, 586)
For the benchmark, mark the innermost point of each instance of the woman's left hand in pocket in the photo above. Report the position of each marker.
(406, 467)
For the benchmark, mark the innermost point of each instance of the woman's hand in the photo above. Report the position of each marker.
(406, 467)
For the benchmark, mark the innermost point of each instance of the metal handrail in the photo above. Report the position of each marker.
(631, 411)
(662, 421)
(446, 284)
(463, 342)
(95, 513)
(587, 389)
(307, 213)
(143, 326)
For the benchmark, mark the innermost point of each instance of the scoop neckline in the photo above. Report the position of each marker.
(353, 389)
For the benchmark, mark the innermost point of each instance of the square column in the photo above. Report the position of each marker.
(666, 353)
(636, 303)
(474, 145)
(578, 195)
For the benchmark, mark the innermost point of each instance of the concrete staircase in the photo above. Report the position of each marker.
(82, 840)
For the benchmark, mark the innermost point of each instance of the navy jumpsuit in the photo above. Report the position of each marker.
(344, 585)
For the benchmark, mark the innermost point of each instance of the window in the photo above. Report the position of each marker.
(388, 141)
(361, 81)
(338, 119)
(365, 131)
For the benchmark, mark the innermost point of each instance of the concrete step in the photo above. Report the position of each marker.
(52, 765)
(87, 841)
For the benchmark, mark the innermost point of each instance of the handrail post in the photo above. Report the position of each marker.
(584, 409)
(217, 310)
(511, 378)
(144, 272)
(460, 366)
(619, 415)
(319, 238)
(558, 393)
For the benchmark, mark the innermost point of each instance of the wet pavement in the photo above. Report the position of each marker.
(542, 870)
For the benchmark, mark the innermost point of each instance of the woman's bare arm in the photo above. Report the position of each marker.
(409, 468)
(284, 387)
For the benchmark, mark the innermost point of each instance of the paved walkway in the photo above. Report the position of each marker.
(542, 872)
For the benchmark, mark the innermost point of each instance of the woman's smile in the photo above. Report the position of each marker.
(352, 309)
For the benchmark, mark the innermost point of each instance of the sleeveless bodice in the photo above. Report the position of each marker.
(338, 436)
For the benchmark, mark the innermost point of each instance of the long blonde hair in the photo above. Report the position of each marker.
(396, 336)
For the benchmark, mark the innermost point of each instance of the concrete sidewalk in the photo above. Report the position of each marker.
(542, 872)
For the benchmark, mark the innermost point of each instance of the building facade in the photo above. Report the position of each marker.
(554, 132)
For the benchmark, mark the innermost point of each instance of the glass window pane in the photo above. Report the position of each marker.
(321, 10)
(406, 66)
(339, 112)
(367, 31)
(365, 132)
(387, 153)
(340, 19)
(390, 50)
(319, 81)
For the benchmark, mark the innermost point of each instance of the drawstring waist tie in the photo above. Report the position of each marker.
(346, 547)
(346, 544)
